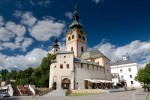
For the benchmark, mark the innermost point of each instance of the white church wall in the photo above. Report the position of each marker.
(83, 73)
(59, 70)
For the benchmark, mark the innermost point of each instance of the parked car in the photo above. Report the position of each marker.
(4, 94)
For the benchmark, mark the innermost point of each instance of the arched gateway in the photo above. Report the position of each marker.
(65, 83)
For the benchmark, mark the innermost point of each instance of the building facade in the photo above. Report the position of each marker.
(77, 68)
(125, 71)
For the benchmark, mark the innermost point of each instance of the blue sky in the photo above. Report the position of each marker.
(115, 27)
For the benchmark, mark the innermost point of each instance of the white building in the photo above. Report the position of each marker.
(77, 67)
(125, 71)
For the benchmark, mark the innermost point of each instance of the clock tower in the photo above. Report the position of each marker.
(76, 39)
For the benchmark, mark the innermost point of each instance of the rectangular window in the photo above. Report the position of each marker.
(122, 77)
(93, 68)
(107, 70)
(130, 76)
(67, 66)
(97, 68)
(61, 66)
(129, 69)
(71, 48)
(132, 82)
(121, 71)
(64, 56)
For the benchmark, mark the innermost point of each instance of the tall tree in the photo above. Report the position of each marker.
(143, 75)
(38, 76)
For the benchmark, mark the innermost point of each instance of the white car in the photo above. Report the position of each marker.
(4, 94)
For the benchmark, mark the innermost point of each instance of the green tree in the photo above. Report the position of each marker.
(38, 76)
(4, 73)
(45, 67)
(143, 75)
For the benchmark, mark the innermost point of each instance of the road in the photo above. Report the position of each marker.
(127, 95)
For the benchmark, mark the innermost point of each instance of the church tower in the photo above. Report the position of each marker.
(56, 48)
(76, 39)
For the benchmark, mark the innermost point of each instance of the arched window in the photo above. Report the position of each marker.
(79, 36)
(83, 38)
(71, 48)
(82, 49)
(72, 36)
(68, 38)
(81, 31)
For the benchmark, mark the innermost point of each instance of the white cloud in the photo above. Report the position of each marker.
(12, 37)
(17, 13)
(9, 45)
(28, 19)
(31, 59)
(14, 28)
(19, 39)
(1, 21)
(26, 43)
(5, 35)
(44, 3)
(97, 1)
(137, 51)
(45, 29)
(1, 48)
(31, 2)
(69, 15)
(62, 46)
(20, 42)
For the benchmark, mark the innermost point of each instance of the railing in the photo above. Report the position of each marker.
(32, 89)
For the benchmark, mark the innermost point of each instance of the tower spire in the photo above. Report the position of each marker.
(75, 22)
(75, 14)
(55, 47)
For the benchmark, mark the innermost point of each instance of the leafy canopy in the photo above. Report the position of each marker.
(143, 75)
(38, 76)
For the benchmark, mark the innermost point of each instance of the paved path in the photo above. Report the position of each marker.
(55, 93)
(127, 95)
